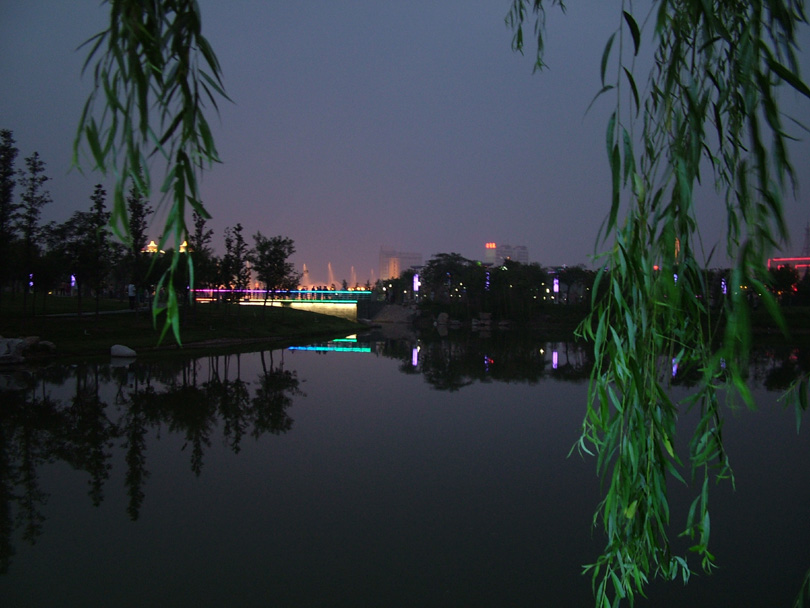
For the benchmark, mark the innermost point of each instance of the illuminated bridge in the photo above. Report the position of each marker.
(339, 303)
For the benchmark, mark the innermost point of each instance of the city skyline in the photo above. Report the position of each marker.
(358, 125)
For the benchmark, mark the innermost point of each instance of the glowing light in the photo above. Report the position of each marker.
(491, 246)
(797, 263)
(554, 359)
(556, 285)
(415, 356)
(416, 283)
(333, 349)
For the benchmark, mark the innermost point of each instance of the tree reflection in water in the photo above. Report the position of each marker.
(80, 429)
(450, 363)
(79, 414)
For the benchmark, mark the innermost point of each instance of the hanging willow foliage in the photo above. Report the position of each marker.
(709, 107)
(154, 73)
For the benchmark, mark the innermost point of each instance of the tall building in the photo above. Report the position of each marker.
(394, 263)
(496, 254)
(520, 253)
(490, 253)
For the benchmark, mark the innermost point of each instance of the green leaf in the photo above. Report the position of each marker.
(633, 89)
(629, 159)
(606, 57)
(788, 76)
(630, 511)
(634, 31)
(601, 92)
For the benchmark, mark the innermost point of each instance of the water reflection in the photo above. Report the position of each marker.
(371, 456)
(78, 414)
(451, 363)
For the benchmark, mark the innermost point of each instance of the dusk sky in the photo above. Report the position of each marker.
(358, 125)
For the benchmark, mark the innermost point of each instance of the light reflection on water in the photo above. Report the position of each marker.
(311, 478)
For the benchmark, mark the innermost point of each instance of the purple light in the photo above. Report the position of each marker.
(415, 356)
(674, 367)
(723, 286)
(554, 357)
(556, 288)
(416, 283)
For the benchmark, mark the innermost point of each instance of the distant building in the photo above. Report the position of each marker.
(520, 253)
(497, 254)
(394, 263)
(801, 263)
(490, 253)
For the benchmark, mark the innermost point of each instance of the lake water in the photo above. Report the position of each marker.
(360, 474)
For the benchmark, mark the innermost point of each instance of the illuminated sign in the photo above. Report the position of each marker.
(797, 263)
(491, 246)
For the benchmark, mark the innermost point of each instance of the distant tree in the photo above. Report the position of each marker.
(235, 273)
(34, 197)
(784, 281)
(99, 253)
(138, 210)
(803, 290)
(72, 251)
(270, 262)
(201, 237)
(8, 208)
(202, 256)
(573, 276)
(443, 273)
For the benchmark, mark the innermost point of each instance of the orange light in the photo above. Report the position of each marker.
(491, 246)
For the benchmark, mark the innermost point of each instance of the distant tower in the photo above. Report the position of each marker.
(305, 277)
(806, 249)
(490, 253)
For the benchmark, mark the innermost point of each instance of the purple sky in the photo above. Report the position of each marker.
(358, 125)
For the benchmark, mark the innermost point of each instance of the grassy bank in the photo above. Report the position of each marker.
(204, 327)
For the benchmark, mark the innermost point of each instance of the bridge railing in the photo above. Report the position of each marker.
(283, 295)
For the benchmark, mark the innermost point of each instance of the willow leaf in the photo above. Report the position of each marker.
(606, 57)
(634, 31)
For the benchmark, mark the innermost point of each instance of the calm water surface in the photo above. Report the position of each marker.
(311, 478)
